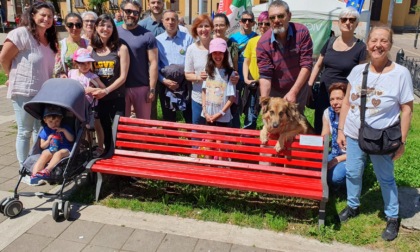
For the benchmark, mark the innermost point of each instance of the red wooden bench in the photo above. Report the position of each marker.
(165, 151)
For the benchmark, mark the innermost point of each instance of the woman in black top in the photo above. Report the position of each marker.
(338, 57)
(111, 65)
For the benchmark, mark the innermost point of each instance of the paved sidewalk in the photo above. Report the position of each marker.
(98, 228)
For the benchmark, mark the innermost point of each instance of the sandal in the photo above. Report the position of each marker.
(44, 174)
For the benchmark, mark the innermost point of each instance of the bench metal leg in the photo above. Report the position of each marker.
(98, 185)
(322, 213)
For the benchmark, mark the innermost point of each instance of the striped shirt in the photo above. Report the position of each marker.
(282, 63)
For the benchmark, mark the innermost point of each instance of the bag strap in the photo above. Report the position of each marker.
(363, 94)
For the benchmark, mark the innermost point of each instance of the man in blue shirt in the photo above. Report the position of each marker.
(241, 39)
(172, 47)
(153, 22)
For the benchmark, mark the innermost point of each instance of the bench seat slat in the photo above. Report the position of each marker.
(206, 171)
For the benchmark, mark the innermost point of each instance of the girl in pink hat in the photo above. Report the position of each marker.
(218, 93)
(91, 82)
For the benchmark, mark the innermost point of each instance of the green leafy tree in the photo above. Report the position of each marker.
(98, 6)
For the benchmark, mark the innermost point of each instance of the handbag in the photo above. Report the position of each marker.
(376, 141)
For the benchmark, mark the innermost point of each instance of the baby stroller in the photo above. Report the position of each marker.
(70, 96)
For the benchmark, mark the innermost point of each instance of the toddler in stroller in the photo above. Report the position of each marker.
(56, 142)
(62, 100)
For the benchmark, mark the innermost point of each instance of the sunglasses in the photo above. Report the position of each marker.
(72, 25)
(89, 21)
(278, 16)
(244, 20)
(129, 12)
(263, 24)
(351, 20)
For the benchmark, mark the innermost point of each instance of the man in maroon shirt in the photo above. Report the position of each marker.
(284, 56)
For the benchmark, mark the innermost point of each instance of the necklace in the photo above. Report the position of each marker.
(348, 47)
(380, 73)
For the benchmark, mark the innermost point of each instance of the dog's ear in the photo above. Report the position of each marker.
(264, 101)
(292, 111)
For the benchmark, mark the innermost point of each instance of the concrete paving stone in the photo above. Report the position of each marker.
(94, 248)
(212, 246)
(81, 231)
(8, 159)
(8, 185)
(49, 227)
(9, 172)
(28, 243)
(64, 246)
(146, 240)
(241, 248)
(176, 243)
(119, 236)
(2, 217)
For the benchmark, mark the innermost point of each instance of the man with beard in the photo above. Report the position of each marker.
(284, 56)
(153, 22)
(143, 71)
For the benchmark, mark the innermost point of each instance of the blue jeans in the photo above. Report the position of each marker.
(251, 111)
(384, 171)
(336, 176)
(27, 125)
(196, 113)
(236, 109)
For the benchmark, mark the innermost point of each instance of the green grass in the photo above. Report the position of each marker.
(3, 77)
(263, 211)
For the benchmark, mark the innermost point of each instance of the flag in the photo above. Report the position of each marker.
(357, 4)
(233, 10)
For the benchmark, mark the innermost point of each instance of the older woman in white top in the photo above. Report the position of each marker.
(27, 58)
(89, 18)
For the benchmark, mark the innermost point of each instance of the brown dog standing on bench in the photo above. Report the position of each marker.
(282, 118)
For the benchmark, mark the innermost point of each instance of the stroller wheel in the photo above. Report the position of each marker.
(2, 204)
(66, 210)
(13, 208)
(55, 213)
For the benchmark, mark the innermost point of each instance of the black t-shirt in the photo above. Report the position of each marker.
(338, 65)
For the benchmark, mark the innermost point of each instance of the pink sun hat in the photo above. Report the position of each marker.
(217, 45)
(82, 55)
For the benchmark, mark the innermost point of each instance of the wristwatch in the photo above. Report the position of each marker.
(222, 113)
(152, 90)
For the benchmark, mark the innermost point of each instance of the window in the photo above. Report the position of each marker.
(78, 4)
(412, 4)
(175, 5)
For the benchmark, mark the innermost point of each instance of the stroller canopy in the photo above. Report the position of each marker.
(66, 93)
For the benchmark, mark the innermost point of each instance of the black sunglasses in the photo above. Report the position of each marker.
(244, 20)
(129, 12)
(263, 23)
(72, 25)
(351, 20)
(279, 16)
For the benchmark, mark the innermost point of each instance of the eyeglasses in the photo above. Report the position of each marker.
(351, 20)
(72, 25)
(244, 20)
(263, 24)
(129, 12)
(91, 21)
(278, 16)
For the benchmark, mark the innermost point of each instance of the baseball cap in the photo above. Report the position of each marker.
(217, 45)
(82, 55)
(52, 110)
